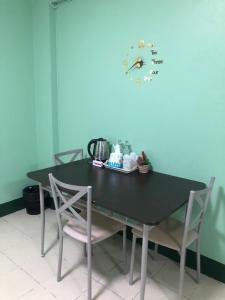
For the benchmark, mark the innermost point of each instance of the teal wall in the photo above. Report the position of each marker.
(43, 84)
(17, 124)
(80, 90)
(178, 118)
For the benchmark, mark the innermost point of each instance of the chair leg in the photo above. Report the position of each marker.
(57, 235)
(125, 247)
(89, 262)
(144, 260)
(85, 250)
(198, 259)
(182, 266)
(42, 208)
(60, 257)
(59, 203)
(132, 259)
(156, 249)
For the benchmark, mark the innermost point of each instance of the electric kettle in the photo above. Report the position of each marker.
(98, 149)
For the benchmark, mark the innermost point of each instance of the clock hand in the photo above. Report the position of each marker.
(133, 66)
(138, 64)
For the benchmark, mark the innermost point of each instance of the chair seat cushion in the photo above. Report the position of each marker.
(102, 228)
(169, 233)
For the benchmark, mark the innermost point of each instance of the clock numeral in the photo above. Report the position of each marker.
(157, 62)
(153, 72)
(154, 52)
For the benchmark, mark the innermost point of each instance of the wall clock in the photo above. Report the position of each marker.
(141, 64)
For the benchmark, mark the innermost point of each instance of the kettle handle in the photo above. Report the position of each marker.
(94, 141)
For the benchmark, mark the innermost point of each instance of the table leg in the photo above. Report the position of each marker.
(42, 208)
(144, 259)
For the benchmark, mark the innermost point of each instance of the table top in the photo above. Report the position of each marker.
(146, 198)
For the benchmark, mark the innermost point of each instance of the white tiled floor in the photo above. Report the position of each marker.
(25, 275)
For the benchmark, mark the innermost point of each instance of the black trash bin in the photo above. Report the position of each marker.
(32, 199)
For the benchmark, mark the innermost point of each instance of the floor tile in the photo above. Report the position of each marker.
(169, 277)
(2, 221)
(154, 265)
(69, 288)
(103, 263)
(28, 258)
(118, 283)
(37, 294)
(155, 291)
(103, 259)
(33, 277)
(50, 241)
(100, 292)
(209, 289)
(10, 236)
(15, 284)
(30, 225)
(6, 265)
(113, 246)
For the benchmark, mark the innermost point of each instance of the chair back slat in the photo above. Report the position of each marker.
(58, 161)
(196, 221)
(68, 215)
(71, 156)
(64, 207)
(200, 199)
(78, 152)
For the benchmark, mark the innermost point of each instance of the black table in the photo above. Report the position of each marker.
(146, 198)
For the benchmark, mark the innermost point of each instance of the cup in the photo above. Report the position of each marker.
(143, 169)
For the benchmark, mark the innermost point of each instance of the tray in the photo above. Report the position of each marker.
(119, 169)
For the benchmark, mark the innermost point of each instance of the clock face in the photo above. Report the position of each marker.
(141, 64)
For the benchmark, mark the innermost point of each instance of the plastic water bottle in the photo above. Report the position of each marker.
(121, 144)
(127, 148)
(126, 162)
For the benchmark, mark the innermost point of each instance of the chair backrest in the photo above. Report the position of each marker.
(201, 199)
(71, 155)
(64, 207)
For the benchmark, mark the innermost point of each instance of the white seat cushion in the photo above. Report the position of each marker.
(102, 228)
(169, 233)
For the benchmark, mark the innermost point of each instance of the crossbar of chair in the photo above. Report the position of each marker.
(75, 153)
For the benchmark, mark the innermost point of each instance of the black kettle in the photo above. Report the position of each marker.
(98, 149)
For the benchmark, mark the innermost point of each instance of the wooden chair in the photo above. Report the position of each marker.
(86, 227)
(59, 159)
(178, 235)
